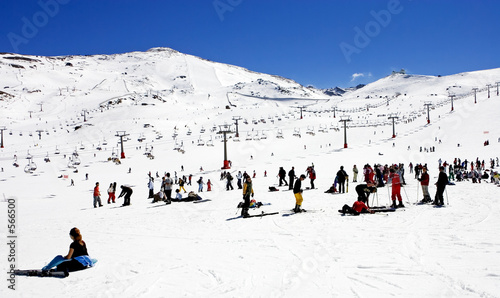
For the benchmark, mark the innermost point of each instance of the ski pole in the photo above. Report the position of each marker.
(389, 195)
(407, 199)
(447, 202)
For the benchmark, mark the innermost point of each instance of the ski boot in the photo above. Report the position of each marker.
(400, 205)
(394, 204)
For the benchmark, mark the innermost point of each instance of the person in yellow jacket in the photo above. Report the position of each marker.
(247, 192)
(297, 191)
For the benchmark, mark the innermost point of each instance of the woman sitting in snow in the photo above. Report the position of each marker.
(77, 257)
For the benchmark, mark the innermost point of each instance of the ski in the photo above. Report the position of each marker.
(40, 273)
(254, 215)
(201, 201)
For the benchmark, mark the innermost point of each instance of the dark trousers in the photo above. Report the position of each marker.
(290, 183)
(70, 266)
(439, 196)
(282, 180)
(246, 205)
(349, 210)
(168, 195)
(151, 194)
(312, 183)
(341, 186)
(126, 202)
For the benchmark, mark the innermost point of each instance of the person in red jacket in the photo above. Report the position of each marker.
(424, 182)
(357, 208)
(97, 195)
(209, 185)
(396, 189)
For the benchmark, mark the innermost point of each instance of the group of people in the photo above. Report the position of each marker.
(125, 191)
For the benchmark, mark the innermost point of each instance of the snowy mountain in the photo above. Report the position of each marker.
(62, 117)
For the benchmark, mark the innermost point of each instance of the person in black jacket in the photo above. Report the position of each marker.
(297, 192)
(282, 176)
(127, 191)
(291, 177)
(341, 177)
(441, 185)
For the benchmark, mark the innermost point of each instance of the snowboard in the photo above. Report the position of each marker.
(40, 273)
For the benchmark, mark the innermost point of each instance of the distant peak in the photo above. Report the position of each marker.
(161, 49)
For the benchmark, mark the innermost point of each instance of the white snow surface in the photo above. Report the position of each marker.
(193, 250)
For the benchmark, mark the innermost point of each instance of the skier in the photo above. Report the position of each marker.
(239, 176)
(200, 184)
(111, 193)
(297, 192)
(76, 259)
(181, 184)
(247, 192)
(424, 182)
(97, 195)
(189, 179)
(364, 190)
(127, 191)
(341, 177)
(167, 188)
(396, 189)
(355, 174)
(151, 186)
(229, 184)
(282, 175)
(357, 208)
(312, 175)
(291, 177)
(209, 185)
(441, 185)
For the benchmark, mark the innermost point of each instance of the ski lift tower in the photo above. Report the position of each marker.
(302, 108)
(393, 117)
(41, 106)
(345, 119)
(121, 134)
(224, 130)
(334, 110)
(452, 96)
(428, 104)
(236, 118)
(489, 85)
(2, 128)
(475, 91)
(39, 134)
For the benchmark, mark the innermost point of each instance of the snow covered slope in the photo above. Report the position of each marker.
(165, 100)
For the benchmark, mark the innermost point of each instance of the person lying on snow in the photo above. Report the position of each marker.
(357, 208)
(77, 257)
(192, 196)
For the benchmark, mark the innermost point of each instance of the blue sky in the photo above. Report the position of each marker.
(321, 43)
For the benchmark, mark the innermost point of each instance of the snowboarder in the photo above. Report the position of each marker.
(77, 257)
(297, 192)
(441, 185)
(341, 177)
(247, 192)
(396, 189)
(424, 182)
(291, 177)
(127, 191)
(97, 195)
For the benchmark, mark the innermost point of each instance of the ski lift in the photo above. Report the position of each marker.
(71, 165)
(249, 137)
(256, 137)
(177, 146)
(189, 132)
(99, 147)
(201, 142)
(31, 134)
(279, 135)
(47, 159)
(30, 167)
(202, 130)
(104, 142)
(82, 147)
(310, 131)
(263, 136)
(296, 132)
(29, 156)
(210, 142)
(236, 139)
